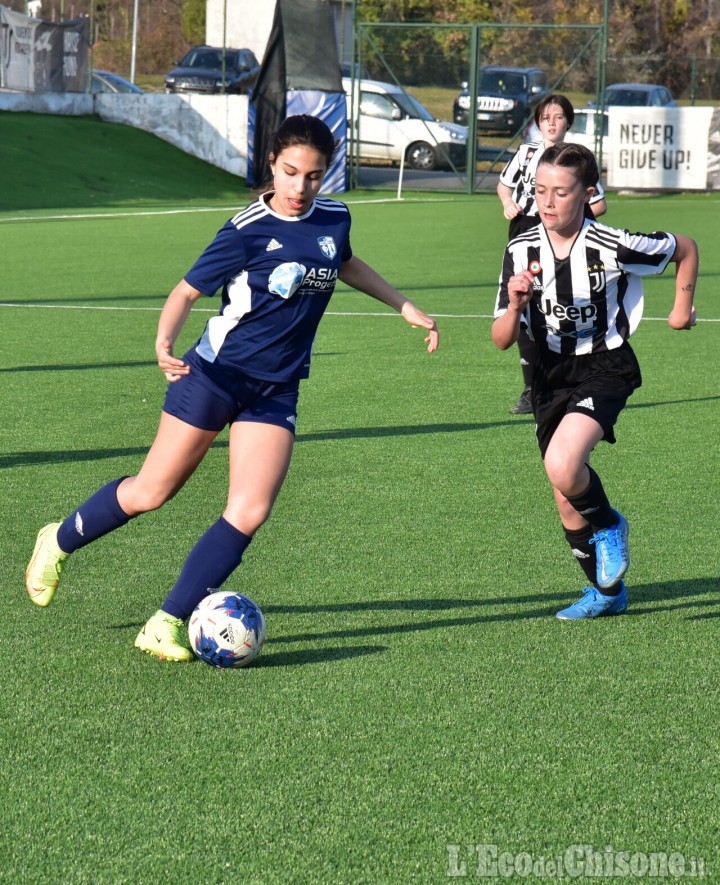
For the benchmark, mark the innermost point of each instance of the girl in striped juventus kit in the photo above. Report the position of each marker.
(276, 264)
(577, 284)
(554, 116)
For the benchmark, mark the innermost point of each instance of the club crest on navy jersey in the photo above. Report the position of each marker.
(286, 278)
(327, 247)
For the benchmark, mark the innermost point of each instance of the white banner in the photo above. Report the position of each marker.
(663, 148)
(39, 56)
(17, 68)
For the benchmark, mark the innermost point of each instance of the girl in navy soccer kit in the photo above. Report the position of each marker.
(554, 116)
(577, 284)
(277, 263)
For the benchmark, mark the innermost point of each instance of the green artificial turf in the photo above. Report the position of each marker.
(67, 162)
(416, 697)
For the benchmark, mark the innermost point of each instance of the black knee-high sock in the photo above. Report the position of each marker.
(583, 551)
(586, 556)
(528, 351)
(593, 504)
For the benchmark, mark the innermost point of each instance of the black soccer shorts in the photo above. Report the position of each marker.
(597, 385)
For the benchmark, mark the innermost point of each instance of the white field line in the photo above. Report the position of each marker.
(331, 313)
(453, 198)
(139, 213)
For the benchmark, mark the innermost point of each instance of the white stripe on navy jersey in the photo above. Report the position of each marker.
(253, 211)
(330, 205)
(593, 299)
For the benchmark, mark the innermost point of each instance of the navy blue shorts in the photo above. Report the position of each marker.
(200, 399)
(597, 385)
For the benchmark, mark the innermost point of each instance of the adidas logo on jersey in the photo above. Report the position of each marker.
(587, 403)
(272, 245)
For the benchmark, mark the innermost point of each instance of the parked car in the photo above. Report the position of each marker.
(506, 97)
(392, 124)
(582, 131)
(646, 95)
(584, 128)
(104, 81)
(201, 70)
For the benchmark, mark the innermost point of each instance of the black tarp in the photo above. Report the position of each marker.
(301, 54)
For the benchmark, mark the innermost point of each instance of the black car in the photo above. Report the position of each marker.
(202, 71)
(506, 98)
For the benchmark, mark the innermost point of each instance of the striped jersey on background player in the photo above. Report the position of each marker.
(577, 284)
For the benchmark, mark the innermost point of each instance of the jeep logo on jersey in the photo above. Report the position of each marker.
(574, 312)
(327, 247)
(286, 278)
(596, 272)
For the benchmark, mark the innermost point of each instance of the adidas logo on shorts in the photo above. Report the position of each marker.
(587, 403)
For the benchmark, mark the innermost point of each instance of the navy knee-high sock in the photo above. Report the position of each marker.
(208, 565)
(98, 516)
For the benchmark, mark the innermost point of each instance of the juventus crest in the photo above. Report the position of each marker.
(596, 275)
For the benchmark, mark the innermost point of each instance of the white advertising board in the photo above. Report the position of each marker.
(664, 148)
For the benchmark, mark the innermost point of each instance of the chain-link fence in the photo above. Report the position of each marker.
(503, 70)
(692, 79)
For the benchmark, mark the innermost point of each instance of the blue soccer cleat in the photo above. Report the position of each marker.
(595, 604)
(613, 556)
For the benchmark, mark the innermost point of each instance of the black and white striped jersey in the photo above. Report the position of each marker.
(592, 300)
(519, 174)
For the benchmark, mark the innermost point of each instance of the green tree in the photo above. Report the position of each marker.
(193, 21)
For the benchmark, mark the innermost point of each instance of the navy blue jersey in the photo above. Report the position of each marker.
(277, 274)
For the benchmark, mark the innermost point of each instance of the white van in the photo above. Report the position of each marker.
(389, 123)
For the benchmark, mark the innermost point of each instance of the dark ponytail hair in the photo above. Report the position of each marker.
(576, 157)
(306, 131)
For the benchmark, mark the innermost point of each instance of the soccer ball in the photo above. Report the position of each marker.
(227, 630)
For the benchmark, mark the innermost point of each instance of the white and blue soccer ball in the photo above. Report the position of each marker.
(227, 630)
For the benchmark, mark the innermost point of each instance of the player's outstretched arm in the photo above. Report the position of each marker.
(687, 261)
(172, 318)
(361, 276)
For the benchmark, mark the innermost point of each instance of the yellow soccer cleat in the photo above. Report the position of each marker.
(165, 637)
(43, 573)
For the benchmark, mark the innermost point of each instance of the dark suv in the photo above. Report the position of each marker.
(506, 98)
(201, 70)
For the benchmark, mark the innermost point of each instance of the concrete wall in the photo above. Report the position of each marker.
(211, 127)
